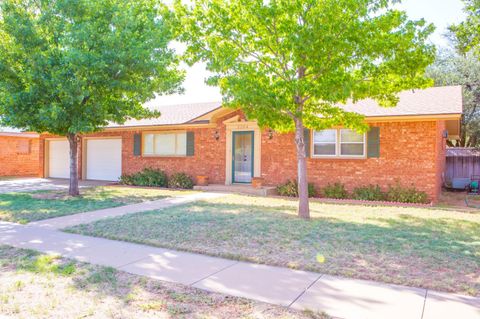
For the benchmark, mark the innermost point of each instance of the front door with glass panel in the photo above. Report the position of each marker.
(242, 157)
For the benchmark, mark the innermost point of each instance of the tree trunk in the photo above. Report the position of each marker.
(303, 205)
(73, 187)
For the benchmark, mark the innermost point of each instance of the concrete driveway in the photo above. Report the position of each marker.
(34, 184)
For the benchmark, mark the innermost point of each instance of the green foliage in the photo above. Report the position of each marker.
(451, 68)
(180, 180)
(126, 179)
(290, 189)
(107, 275)
(289, 63)
(336, 190)
(297, 59)
(47, 264)
(467, 33)
(399, 193)
(369, 192)
(73, 66)
(146, 177)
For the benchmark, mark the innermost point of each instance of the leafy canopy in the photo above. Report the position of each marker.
(282, 60)
(451, 68)
(467, 33)
(72, 66)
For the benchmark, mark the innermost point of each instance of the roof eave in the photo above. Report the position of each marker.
(413, 117)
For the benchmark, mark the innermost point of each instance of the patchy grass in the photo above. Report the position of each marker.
(421, 247)
(27, 207)
(37, 286)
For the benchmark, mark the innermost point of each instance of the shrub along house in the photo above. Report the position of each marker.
(405, 144)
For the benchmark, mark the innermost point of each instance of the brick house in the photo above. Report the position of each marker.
(19, 154)
(405, 143)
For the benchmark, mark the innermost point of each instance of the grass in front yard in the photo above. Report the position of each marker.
(27, 207)
(41, 286)
(419, 247)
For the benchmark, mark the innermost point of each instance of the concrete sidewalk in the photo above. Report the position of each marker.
(338, 297)
(88, 217)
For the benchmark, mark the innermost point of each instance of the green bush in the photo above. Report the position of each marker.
(336, 190)
(126, 179)
(180, 180)
(399, 193)
(290, 189)
(146, 177)
(370, 192)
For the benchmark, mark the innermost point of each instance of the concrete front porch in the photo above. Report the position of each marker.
(238, 188)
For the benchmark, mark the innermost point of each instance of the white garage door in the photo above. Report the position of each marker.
(104, 159)
(58, 159)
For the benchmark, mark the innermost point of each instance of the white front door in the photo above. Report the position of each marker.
(104, 159)
(58, 159)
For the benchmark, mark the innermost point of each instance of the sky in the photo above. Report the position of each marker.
(441, 13)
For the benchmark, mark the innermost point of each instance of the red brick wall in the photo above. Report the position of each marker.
(19, 156)
(208, 159)
(209, 155)
(408, 153)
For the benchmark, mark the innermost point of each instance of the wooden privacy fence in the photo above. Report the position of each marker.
(461, 163)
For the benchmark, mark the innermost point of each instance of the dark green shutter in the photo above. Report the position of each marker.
(190, 143)
(373, 142)
(137, 144)
(306, 140)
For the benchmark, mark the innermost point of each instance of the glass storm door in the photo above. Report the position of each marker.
(242, 157)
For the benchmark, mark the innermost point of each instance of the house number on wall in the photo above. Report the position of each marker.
(241, 126)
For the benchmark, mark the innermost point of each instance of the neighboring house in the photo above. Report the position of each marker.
(19, 154)
(405, 143)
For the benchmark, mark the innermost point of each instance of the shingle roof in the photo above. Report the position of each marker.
(431, 101)
(173, 114)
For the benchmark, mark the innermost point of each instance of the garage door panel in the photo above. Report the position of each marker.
(58, 159)
(104, 159)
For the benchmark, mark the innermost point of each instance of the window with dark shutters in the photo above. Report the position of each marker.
(137, 144)
(373, 142)
(190, 144)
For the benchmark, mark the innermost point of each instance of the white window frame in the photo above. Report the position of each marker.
(155, 154)
(338, 143)
(312, 139)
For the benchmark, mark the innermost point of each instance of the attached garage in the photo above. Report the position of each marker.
(58, 159)
(103, 159)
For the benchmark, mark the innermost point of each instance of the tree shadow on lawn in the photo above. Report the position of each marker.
(25, 207)
(433, 253)
(114, 293)
(97, 280)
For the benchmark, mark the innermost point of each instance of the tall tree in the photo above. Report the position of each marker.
(451, 68)
(69, 67)
(467, 33)
(288, 63)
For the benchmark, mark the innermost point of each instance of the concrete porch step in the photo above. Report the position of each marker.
(238, 188)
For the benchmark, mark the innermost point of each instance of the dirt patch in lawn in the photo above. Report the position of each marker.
(52, 195)
(41, 286)
(461, 201)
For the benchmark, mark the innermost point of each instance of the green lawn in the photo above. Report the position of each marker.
(27, 207)
(42, 286)
(421, 247)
